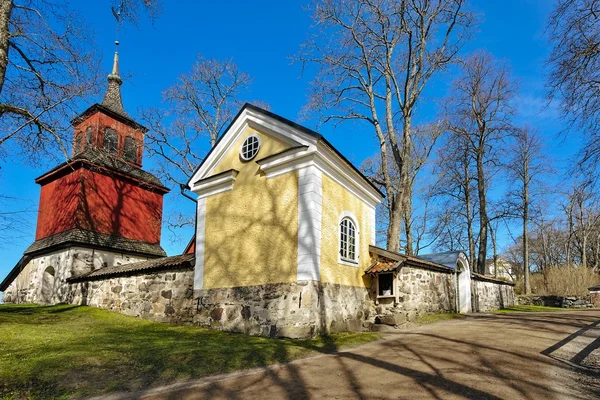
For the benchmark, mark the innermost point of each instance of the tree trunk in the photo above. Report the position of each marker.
(495, 259)
(483, 217)
(6, 7)
(407, 214)
(468, 211)
(525, 230)
(395, 220)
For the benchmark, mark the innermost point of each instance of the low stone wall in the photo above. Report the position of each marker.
(293, 310)
(556, 301)
(488, 294)
(420, 292)
(165, 296)
(35, 285)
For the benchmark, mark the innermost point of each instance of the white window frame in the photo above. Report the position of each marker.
(394, 294)
(344, 260)
(242, 147)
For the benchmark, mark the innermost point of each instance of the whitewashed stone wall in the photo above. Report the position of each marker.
(487, 296)
(420, 291)
(34, 285)
(293, 310)
(165, 296)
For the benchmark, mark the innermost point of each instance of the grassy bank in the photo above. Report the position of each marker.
(524, 308)
(68, 351)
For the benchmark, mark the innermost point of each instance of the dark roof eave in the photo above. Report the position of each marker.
(95, 240)
(77, 163)
(78, 243)
(99, 107)
(483, 278)
(181, 262)
(410, 260)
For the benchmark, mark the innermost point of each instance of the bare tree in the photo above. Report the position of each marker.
(375, 58)
(47, 64)
(526, 166)
(198, 108)
(574, 62)
(586, 218)
(479, 110)
(455, 187)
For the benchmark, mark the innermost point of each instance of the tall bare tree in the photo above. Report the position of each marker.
(197, 109)
(455, 188)
(479, 111)
(574, 62)
(526, 166)
(47, 64)
(375, 58)
(586, 218)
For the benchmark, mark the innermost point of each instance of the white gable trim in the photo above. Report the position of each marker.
(200, 237)
(216, 184)
(256, 120)
(310, 207)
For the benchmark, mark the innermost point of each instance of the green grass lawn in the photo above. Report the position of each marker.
(69, 351)
(523, 308)
(432, 318)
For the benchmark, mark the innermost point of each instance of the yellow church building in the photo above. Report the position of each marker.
(285, 241)
(281, 210)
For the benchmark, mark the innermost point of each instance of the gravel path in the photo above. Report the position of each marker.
(512, 356)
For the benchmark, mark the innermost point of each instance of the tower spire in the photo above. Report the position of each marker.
(112, 99)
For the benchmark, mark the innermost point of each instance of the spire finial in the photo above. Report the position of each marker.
(115, 70)
(112, 98)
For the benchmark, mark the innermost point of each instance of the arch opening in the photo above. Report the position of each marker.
(47, 290)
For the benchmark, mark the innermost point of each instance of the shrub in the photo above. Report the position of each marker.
(561, 281)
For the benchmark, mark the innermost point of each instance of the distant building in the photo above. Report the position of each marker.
(506, 269)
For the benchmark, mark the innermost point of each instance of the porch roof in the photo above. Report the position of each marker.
(389, 261)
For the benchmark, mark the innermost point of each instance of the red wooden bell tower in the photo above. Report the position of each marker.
(102, 196)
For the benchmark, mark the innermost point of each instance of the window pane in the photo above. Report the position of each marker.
(130, 149)
(78, 142)
(348, 239)
(88, 137)
(386, 284)
(110, 140)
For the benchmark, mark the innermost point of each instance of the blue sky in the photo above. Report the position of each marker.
(260, 36)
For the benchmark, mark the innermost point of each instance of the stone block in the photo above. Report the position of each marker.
(216, 314)
(391, 319)
(295, 332)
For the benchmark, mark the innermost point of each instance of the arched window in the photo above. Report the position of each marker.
(130, 149)
(88, 137)
(111, 140)
(78, 142)
(348, 240)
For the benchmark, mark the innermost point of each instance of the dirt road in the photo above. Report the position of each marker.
(513, 356)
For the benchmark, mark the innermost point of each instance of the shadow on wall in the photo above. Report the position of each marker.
(100, 202)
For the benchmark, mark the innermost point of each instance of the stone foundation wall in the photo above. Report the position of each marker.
(487, 296)
(420, 292)
(293, 310)
(35, 285)
(557, 301)
(165, 296)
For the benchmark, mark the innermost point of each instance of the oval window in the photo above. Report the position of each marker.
(250, 148)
